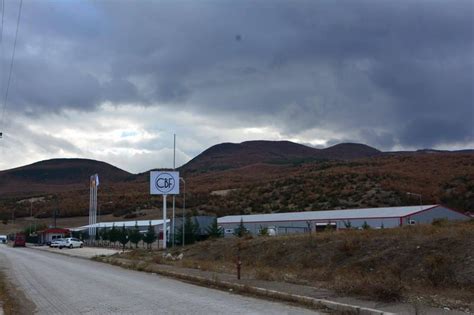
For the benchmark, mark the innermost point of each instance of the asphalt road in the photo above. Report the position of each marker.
(57, 284)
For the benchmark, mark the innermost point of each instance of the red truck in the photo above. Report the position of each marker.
(19, 239)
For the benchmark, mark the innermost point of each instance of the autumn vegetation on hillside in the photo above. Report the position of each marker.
(381, 180)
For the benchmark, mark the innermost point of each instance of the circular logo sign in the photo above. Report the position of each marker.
(164, 183)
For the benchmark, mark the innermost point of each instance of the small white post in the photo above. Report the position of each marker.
(164, 221)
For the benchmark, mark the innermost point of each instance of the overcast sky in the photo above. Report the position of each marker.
(113, 80)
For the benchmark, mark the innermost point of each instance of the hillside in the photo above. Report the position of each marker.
(261, 176)
(370, 182)
(231, 155)
(58, 175)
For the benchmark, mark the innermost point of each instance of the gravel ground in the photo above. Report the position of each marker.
(85, 252)
(57, 284)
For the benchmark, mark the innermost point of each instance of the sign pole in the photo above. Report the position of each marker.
(164, 183)
(174, 196)
(164, 221)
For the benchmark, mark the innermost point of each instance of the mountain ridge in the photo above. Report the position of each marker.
(231, 155)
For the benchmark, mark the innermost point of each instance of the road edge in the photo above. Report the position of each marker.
(215, 283)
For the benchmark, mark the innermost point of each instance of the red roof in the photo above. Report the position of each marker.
(55, 230)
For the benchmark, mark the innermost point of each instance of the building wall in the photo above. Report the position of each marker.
(291, 227)
(439, 212)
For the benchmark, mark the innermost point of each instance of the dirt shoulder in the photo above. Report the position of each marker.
(12, 299)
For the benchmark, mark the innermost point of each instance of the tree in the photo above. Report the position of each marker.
(150, 236)
(97, 236)
(123, 237)
(104, 234)
(191, 231)
(113, 234)
(263, 231)
(241, 230)
(365, 226)
(135, 235)
(214, 230)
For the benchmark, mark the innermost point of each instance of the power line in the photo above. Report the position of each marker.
(1, 27)
(11, 62)
(1, 48)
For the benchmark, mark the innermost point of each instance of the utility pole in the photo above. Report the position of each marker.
(55, 212)
(184, 207)
(417, 195)
(31, 213)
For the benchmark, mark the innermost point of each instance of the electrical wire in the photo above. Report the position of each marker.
(11, 62)
(1, 26)
(2, 64)
(1, 49)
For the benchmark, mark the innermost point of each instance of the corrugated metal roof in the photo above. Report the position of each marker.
(119, 224)
(367, 213)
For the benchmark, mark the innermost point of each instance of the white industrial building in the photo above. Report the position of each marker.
(142, 225)
(300, 222)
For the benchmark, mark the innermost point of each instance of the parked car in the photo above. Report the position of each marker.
(71, 242)
(3, 239)
(59, 242)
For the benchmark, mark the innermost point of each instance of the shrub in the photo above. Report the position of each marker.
(383, 287)
(438, 268)
(264, 274)
(349, 247)
(440, 222)
(263, 231)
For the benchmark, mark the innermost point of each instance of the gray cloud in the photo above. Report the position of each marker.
(386, 73)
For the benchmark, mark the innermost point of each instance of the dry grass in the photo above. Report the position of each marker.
(435, 262)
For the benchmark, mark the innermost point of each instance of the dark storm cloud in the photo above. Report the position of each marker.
(385, 73)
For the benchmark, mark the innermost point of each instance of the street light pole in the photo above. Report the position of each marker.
(184, 206)
(419, 196)
(31, 213)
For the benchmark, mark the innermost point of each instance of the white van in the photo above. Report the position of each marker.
(3, 239)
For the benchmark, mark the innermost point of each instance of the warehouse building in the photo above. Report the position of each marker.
(202, 222)
(142, 225)
(301, 222)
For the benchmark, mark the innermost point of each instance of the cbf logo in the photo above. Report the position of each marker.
(164, 183)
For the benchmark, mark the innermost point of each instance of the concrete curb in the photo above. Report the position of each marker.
(287, 297)
(61, 253)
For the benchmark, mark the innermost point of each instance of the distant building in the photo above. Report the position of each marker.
(142, 225)
(49, 235)
(203, 223)
(300, 222)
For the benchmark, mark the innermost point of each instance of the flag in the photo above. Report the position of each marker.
(96, 180)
